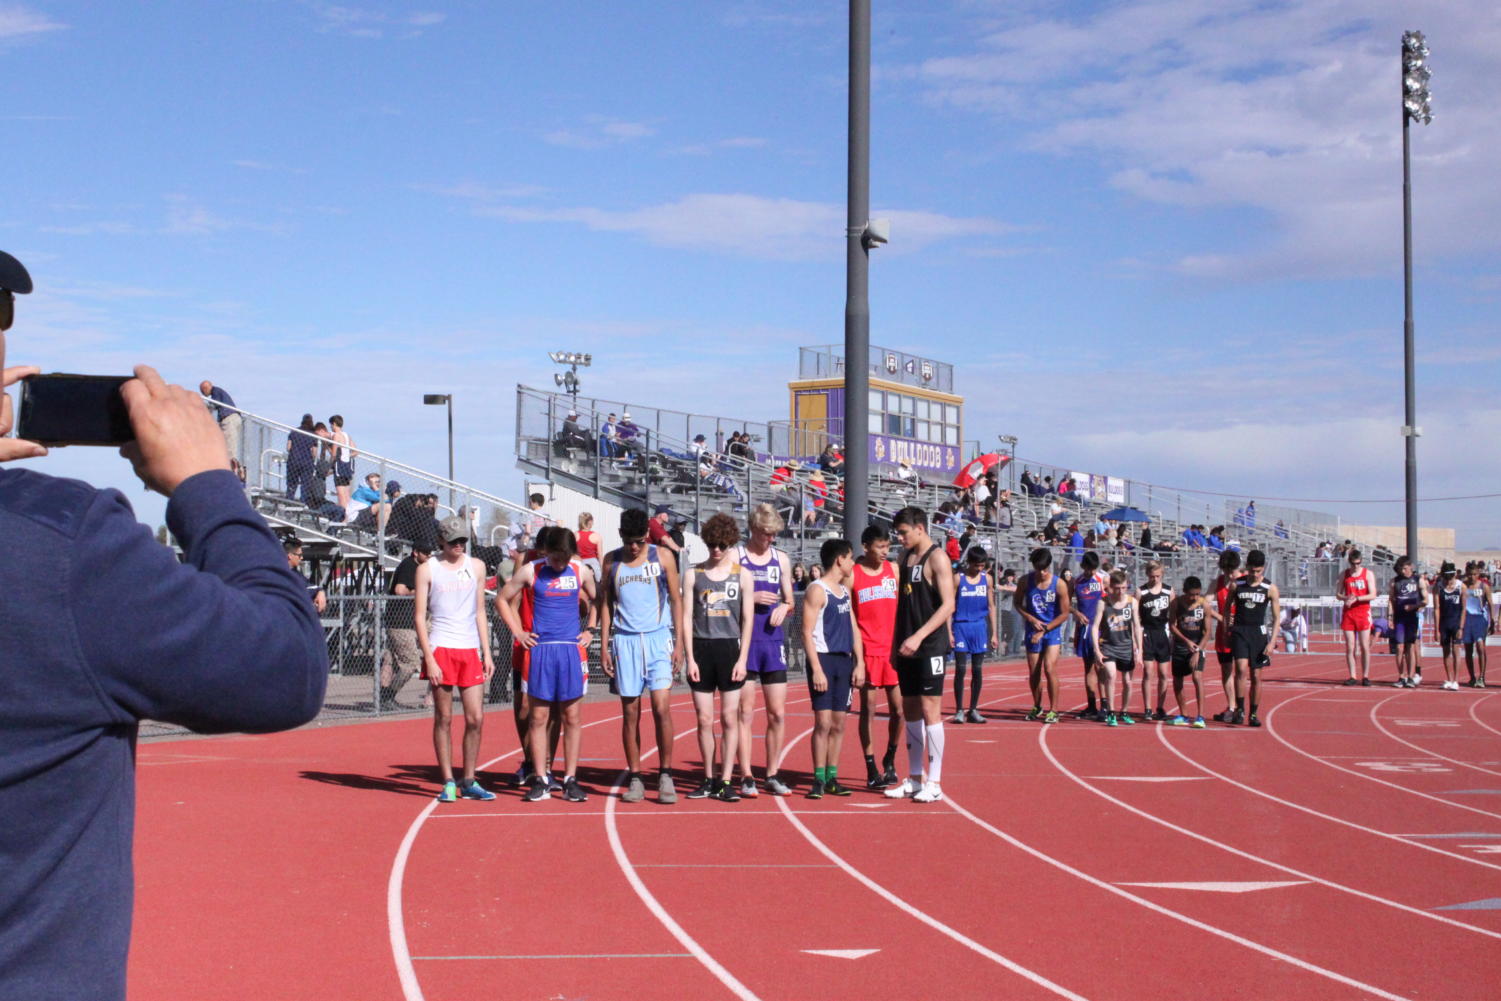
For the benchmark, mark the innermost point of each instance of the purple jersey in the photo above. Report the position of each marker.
(768, 578)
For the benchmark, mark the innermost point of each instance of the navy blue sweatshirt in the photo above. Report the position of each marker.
(101, 626)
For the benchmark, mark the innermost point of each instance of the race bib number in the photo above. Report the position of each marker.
(732, 590)
(935, 666)
(774, 573)
(654, 570)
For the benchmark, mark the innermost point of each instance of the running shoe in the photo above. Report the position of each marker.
(1110, 719)
(906, 790)
(958, 717)
(666, 791)
(774, 785)
(1237, 718)
(635, 792)
(816, 791)
(975, 717)
(449, 794)
(1417, 679)
(1198, 723)
(1365, 682)
(1179, 720)
(929, 793)
(727, 793)
(473, 790)
(519, 777)
(1160, 716)
(1350, 682)
(833, 788)
(1051, 717)
(553, 785)
(1400, 683)
(540, 790)
(1126, 719)
(1254, 720)
(705, 789)
(876, 780)
(1091, 714)
(748, 788)
(889, 777)
(572, 791)
(1034, 714)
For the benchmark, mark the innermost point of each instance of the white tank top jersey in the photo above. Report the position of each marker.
(450, 606)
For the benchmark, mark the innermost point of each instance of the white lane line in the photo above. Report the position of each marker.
(578, 955)
(733, 865)
(1042, 741)
(1476, 716)
(1224, 886)
(1148, 778)
(712, 811)
(1401, 839)
(842, 953)
(1416, 747)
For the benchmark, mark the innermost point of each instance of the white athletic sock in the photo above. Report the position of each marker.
(934, 773)
(914, 748)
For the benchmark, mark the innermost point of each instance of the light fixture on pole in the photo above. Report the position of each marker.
(1010, 440)
(1416, 106)
(439, 400)
(569, 380)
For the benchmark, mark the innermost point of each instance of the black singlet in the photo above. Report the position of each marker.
(916, 601)
(1251, 602)
(1154, 609)
(1190, 621)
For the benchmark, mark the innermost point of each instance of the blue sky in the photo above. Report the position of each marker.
(1158, 239)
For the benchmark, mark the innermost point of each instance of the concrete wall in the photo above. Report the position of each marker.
(1436, 544)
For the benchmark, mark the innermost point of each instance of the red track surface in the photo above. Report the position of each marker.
(265, 864)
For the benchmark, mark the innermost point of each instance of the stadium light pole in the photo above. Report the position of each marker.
(439, 400)
(861, 233)
(1415, 107)
(569, 380)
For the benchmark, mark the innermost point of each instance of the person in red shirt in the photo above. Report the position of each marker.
(657, 533)
(874, 586)
(1230, 572)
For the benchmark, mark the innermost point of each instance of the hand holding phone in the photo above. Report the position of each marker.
(15, 448)
(175, 435)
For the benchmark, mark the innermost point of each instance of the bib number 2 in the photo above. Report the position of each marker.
(935, 666)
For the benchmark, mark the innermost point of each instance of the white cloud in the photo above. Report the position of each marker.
(17, 21)
(369, 22)
(186, 217)
(262, 165)
(598, 132)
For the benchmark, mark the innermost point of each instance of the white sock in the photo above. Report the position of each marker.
(914, 748)
(934, 774)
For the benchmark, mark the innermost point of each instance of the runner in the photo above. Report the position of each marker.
(1089, 590)
(1255, 607)
(1408, 596)
(1188, 614)
(1042, 602)
(455, 649)
(639, 611)
(923, 607)
(1230, 572)
(835, 664)
(974, 631)
(1476, 623)
(1356, 589)
(556, 673)
(1154, 601)
(521, 709)
(767, 660)
(1115, 631)
(1449, 598)
(875, 586)
(718, 641)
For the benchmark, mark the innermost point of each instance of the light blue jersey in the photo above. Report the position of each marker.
(642, 604)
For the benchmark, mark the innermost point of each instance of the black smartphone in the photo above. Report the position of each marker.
(61, 409)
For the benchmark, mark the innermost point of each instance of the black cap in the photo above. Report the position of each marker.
(13, 276)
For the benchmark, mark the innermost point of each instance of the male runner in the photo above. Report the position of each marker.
(639, 611)
(521, 708)
(455, 651)
(1230, 572)
(1042, 602)
(1476, 623)
(835, 666)
(1356, 589)
(1255, 608)
(767, 661)
(1408, 596)
(1089, 590)
(1188, 614)
(1156, 642)
(1449, 598)
(875, 586)
(1115, 631)
(923, 607)
(556, 673)
(973, 628)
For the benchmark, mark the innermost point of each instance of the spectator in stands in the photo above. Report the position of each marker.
(818, 497)
(412, 519)
(292, 546)
(781, 476)
(1145, 539)
(1101, 526)
(1216, 540)
(302, 458)
(630, 437)
(401, 658)
(524, 529)
(1010, 640)
(588, 543)
(367, 495)
(1050, 533)
(1047, 486)
(608, 446)
(1280, 530)
(1250, 514)
(343, 455)
(1028, 484)
(1068, 487)
(831, 460)
(1075, 544)
(573, 435)
(657, 532)
(1004, 516)
(799, 577)
(906, 473)
(698, 446)
(231, 424)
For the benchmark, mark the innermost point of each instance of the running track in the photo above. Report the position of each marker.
(1329, 855)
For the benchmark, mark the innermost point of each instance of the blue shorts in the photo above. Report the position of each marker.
(1084, 643)
(838, 671)
(1475, 629)
(1406, 629)
(555, 672)
(765, 657)
(1053, 637)
(643, 662)
(972, 637)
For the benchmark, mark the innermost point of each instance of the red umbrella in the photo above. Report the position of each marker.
(976, 468)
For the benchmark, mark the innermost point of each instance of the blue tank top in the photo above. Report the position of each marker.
(834, 632)
(1475, 602)
(555, 603)
(642, 604)
(1449, 605)
(1087, 594)
(1042, 602)
(768, 579)
(973, 601)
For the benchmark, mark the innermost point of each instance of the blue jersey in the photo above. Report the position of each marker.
(973, 601)
(1088, 591)
(642, 604)
(555, 603)
(834, 631)
(1041, 602)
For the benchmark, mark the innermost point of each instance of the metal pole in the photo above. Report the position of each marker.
(857, 283)
(1409, 429)
(450, 449)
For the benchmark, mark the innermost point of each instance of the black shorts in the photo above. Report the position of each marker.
(1123, 665)
(1156, 645)
(343, 481)
(1225, 657)
(1448, 636)
(920, 675)
(716, 663)
(1185, 662)
(768, 677)
(1250, 643)
(838, 672)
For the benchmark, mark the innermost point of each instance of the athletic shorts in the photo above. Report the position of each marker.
(1125, 663)
(971, 638)
(1250, 643)
(1356, 618)
(716, 663)
(879, 672)
(768, 678)
(1448, 635)
(1084, 643)
(554, 673)
(1185, 662)
(921, 675)
(1405, 630)
(1053, 637)
(460, 667)
(643, 662)
(520, 660)
(1475, 629)
(1225, 657)
(838, 670)
(766, 657)
(1156, 645)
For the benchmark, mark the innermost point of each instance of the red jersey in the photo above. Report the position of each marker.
(875, 608)
(1222, 603)
(588, 548)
